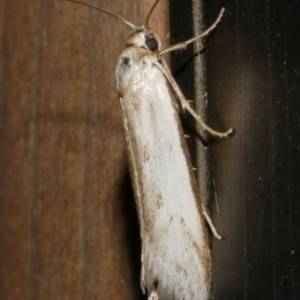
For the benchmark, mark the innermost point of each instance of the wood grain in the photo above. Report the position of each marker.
(68, 226)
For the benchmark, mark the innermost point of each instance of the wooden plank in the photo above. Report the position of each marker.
(19, 58)
(68, 223)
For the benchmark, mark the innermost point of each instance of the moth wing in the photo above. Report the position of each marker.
(174, 238)
(134, 179)
(132, 166)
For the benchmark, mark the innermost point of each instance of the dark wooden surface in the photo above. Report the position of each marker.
(253, 68)
(253, 86)
(68, 226)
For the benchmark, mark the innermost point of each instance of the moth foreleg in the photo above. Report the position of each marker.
(183, 45)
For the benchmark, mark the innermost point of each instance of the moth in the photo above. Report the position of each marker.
(176, 260)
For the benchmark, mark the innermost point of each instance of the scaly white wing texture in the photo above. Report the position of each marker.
(174, 238)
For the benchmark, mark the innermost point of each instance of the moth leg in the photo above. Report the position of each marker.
(183, 45)
(206, 127)
(210, 223)
(154, 295)
(185, 103)
(143, 283)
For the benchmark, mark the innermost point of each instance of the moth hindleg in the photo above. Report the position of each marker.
(210, 223)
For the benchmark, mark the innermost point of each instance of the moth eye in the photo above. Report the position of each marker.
(151, 43)
(125, 60)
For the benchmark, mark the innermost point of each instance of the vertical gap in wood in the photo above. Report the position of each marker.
(189, 72)
(201, 105)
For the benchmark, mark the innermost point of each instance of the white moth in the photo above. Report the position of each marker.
(176, 260)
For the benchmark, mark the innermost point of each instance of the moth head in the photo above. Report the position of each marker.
(144, 38)
(152, 41)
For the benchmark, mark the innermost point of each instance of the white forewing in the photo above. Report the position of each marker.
(175, 254)
(174, 239)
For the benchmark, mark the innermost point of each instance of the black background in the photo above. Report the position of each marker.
(253, 65)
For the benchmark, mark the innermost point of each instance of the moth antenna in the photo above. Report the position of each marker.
(149, 14)
(165, 38)
(134, 27)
